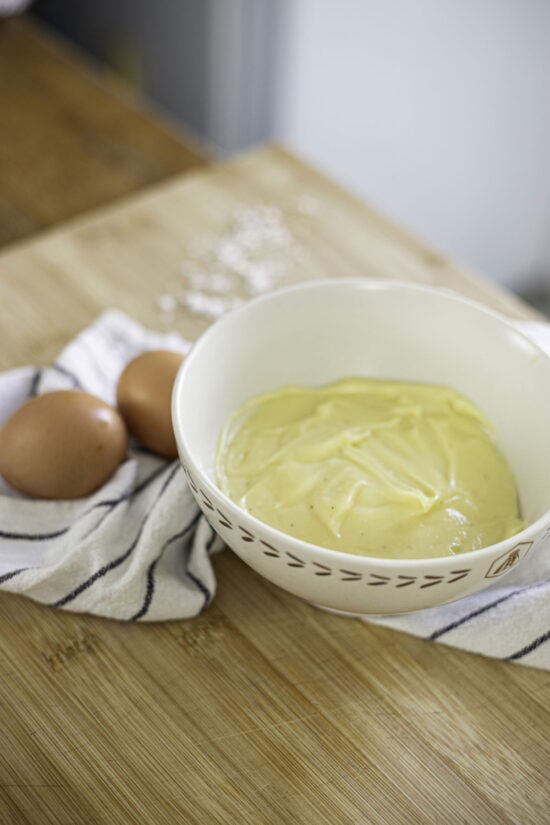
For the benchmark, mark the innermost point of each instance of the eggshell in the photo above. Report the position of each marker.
(63, 444)
(144, 395)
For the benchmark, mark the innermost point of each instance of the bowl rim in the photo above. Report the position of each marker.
(527, 534)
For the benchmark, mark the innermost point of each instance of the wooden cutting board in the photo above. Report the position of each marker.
(263, 709)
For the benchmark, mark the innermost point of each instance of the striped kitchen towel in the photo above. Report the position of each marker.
(137, 549)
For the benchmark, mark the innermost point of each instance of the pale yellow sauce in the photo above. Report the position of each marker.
(377, 468)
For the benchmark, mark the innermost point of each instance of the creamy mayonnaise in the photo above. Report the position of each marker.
(378, 468)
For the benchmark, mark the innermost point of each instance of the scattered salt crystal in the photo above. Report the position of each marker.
(210, 306)
(167, 303)
(249, 256)
(221, 283)
(215, 282)
(272, 214)
(230, 254)
(261, 276)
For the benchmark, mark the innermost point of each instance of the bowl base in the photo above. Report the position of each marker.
(350, 614)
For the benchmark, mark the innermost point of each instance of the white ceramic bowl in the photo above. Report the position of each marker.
(321, 331)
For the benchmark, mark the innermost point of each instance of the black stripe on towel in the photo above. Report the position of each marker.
(37, 375)
(11, 534)
(8, 534)
(212, 539)
(150, 586)
(528, 648)
(7, 576)
(110, 505)
(195, 579)
(112, 502)
(438, 633)
(480, 610)
(203, 588)
(102, 571)
(64, 371)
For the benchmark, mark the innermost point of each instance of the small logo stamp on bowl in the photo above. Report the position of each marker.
(508, 560)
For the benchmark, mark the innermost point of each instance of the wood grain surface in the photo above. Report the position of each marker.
(71, 136)
(263, 709)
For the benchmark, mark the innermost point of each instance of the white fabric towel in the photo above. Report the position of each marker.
(139, 550)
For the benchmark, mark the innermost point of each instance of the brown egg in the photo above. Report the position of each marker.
(62, 444)
(144, 397)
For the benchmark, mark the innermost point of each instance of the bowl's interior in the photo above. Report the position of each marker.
(323, 331)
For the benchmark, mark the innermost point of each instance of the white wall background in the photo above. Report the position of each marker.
(438, 111)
